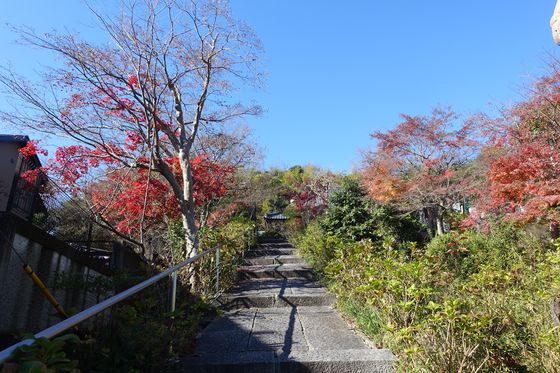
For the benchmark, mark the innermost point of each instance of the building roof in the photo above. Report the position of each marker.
(275, 216)
(20, 139)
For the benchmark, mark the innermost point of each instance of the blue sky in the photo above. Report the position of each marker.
(338, 70)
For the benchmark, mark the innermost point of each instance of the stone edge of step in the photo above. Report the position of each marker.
(384, 356)
(235, 302)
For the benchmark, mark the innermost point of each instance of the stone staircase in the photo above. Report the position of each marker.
(279, 319)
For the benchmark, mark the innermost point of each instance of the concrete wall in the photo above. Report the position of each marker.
(22, 305)
(9, 157)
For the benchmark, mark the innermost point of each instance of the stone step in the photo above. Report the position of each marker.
(301, 271)
(276, 245)
(295, 339)
(319, 361)
(229, 302)
(273, 293)
(258, 252)
(278, 319)
(272, 240)
(275, 259)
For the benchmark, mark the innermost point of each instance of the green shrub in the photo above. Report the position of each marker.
(317, 247)
(141, 334)
(504, 247)
(44, 355)
(396, 231)
(234, 239)
(469, 301)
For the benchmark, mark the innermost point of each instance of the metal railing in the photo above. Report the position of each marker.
(109, 302)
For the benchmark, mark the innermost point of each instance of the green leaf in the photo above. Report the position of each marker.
(33, 367)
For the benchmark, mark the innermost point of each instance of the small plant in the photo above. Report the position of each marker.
(44, 356)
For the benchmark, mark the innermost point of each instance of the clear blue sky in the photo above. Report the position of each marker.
(338, 70)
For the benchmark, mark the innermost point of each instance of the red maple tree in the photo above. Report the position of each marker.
(421, 164)
(131, 200)
(138, 201)
(311, 196)
(524, 169)
(163, 81)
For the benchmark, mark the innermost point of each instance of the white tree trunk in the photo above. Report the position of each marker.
(191, 236)
(439, 225)
(187, 206)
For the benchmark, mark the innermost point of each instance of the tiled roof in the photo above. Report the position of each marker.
(275, 216)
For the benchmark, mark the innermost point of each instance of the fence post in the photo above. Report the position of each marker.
(218, 270)
(173, 294)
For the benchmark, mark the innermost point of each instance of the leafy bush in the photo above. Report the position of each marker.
(142, 334)
(44, 356)
(234, 239)
(317, 247)
(396, 231)
(367, 318)
(504, 247)
(468, 302)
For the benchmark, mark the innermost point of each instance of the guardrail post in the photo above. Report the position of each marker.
(218, 270)
(173, 291)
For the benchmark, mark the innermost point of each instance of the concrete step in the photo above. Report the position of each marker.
(325, 361)
(258, 252)
(275, 259)
(301, 271)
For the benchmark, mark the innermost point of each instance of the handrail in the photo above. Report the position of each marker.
(94, 310)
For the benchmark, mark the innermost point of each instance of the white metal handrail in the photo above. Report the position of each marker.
(94, 310)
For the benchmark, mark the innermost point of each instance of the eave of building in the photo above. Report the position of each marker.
(21, 140)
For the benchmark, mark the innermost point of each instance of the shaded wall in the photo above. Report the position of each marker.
(9, 155)
(22, 306)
